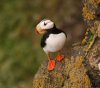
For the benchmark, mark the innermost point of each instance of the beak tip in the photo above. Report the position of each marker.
(37, 31)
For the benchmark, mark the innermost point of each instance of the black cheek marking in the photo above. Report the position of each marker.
(43, 40)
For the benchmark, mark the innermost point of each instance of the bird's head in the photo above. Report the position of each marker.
(44, 26)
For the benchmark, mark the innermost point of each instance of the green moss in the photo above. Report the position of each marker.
(91, 34)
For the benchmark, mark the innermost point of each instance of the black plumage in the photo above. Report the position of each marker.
(54, 30)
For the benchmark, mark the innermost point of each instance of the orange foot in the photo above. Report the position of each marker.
(60, 57)
(51, 65)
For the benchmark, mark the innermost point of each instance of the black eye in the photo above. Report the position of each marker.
(45, 23)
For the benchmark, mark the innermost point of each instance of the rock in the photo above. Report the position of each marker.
(98, 31)
(77, 71)
(69, 73)
(92, 61)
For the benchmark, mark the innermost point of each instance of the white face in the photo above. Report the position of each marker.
(44, 25)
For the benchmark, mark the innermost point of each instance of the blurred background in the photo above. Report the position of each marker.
(20, 51)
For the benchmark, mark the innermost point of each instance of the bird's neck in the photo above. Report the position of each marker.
(52, 29)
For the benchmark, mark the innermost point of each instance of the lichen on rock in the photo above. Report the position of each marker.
(70, 73)
(89, 14)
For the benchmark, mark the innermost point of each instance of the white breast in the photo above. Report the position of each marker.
(55, 42)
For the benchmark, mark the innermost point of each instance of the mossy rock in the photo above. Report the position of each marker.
(69, 73)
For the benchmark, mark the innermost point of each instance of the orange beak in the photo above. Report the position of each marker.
(42, 30)
(37, 31)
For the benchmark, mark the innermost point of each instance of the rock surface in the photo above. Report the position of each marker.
(78, 71)
(69, 73)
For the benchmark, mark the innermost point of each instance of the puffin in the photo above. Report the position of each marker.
(53, 40)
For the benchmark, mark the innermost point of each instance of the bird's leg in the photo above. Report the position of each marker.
(59, 56)
(51, 63)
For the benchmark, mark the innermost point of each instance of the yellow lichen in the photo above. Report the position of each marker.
(77, 75)
(39, 82)
(86, 37)
(73, 76)
(84, 40)
(97, 27)
(74, 85)
(98, 31)
(79, 60)
(86, 33)
(92, 30)
(86, 81)
(94, 1)
(89, 40)
(88, 15)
